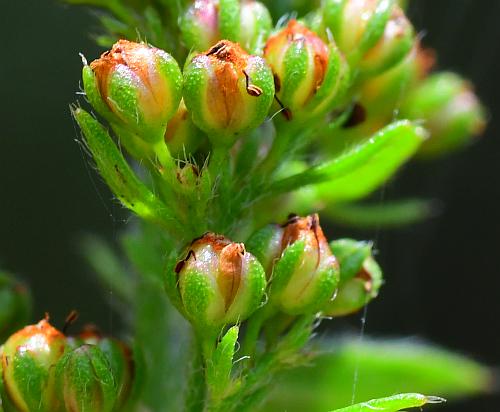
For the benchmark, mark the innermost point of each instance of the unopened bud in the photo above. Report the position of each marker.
(308, 74)
(227, 91)
(135, 86)
(15, 305)
(28, 362)
(396, 42)
(256, 25)
(85, 381)
(304, 273)
(200, 24)
(219, 282)
(450, 109)
(358, 25)
(182, 136)
(360, 277)
(119, 357)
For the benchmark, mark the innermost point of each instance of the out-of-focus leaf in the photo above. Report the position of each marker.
(387, 214)
(359, 171)
(393, 403)
(376, 368)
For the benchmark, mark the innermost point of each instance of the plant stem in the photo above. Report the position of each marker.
(196, 388)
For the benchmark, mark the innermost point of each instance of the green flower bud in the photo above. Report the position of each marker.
(256, 25)
(182, 136)
(303, 271)
(85, 380)
(396, 42)
(120, 361)
(207, 21)
(219, 282)
(374, 34)
(135, 86)
(450, 109)
(383, 94)
(309, 75)
(28, 360)
(227, 91)
(360, 277)
(15, 305)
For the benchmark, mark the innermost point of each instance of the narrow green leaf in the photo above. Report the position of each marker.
(362, 169)
(221, 364)
(119, 176)
(372, 369)
(389, 214)
(393, 403)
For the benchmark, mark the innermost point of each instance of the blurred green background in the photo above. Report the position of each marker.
(442, 276)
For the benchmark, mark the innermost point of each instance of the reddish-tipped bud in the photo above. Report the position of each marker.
(219, 282)
(135, 86)
(303, 271)
(308, 74)
(200, 24)
(227, 91)
(28, 362)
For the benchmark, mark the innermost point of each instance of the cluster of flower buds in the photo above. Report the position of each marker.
(309, 75)
(374, 35)
(15, 305)
(450, 109)
(219, 283)
(44, 371)
(206, 22)
(360, 277)
(301, 268)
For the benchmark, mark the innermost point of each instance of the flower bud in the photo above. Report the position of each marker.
(304, 273)
(182, 136)
(256, 25)
(28, 360)
(308, 74)
(393, 46)
(208, 21)
(119, 357)
(227, 91)
(15, 305)
(360, 277)
(452, 112)
(135, 86)
(219, 282)
(383, 94)
(85, 381)
(358, 25)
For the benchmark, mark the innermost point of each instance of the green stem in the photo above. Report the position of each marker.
(253, 329)
(196, 388)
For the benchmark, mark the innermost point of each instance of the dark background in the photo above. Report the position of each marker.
(442, 277)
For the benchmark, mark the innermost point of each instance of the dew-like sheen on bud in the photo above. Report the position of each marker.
(308, 74)
(135, 86)
(28, 362)
(360, 277)
(450, 109)
(303, 271)
(219, 282)
(227, 91)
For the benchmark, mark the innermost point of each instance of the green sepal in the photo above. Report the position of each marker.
(374, 30)
(350, 254)
(219, 367)
(265, 245)
(229, 20)
(93, 94)
(296, 66)
(119, 176)
(85, 380)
